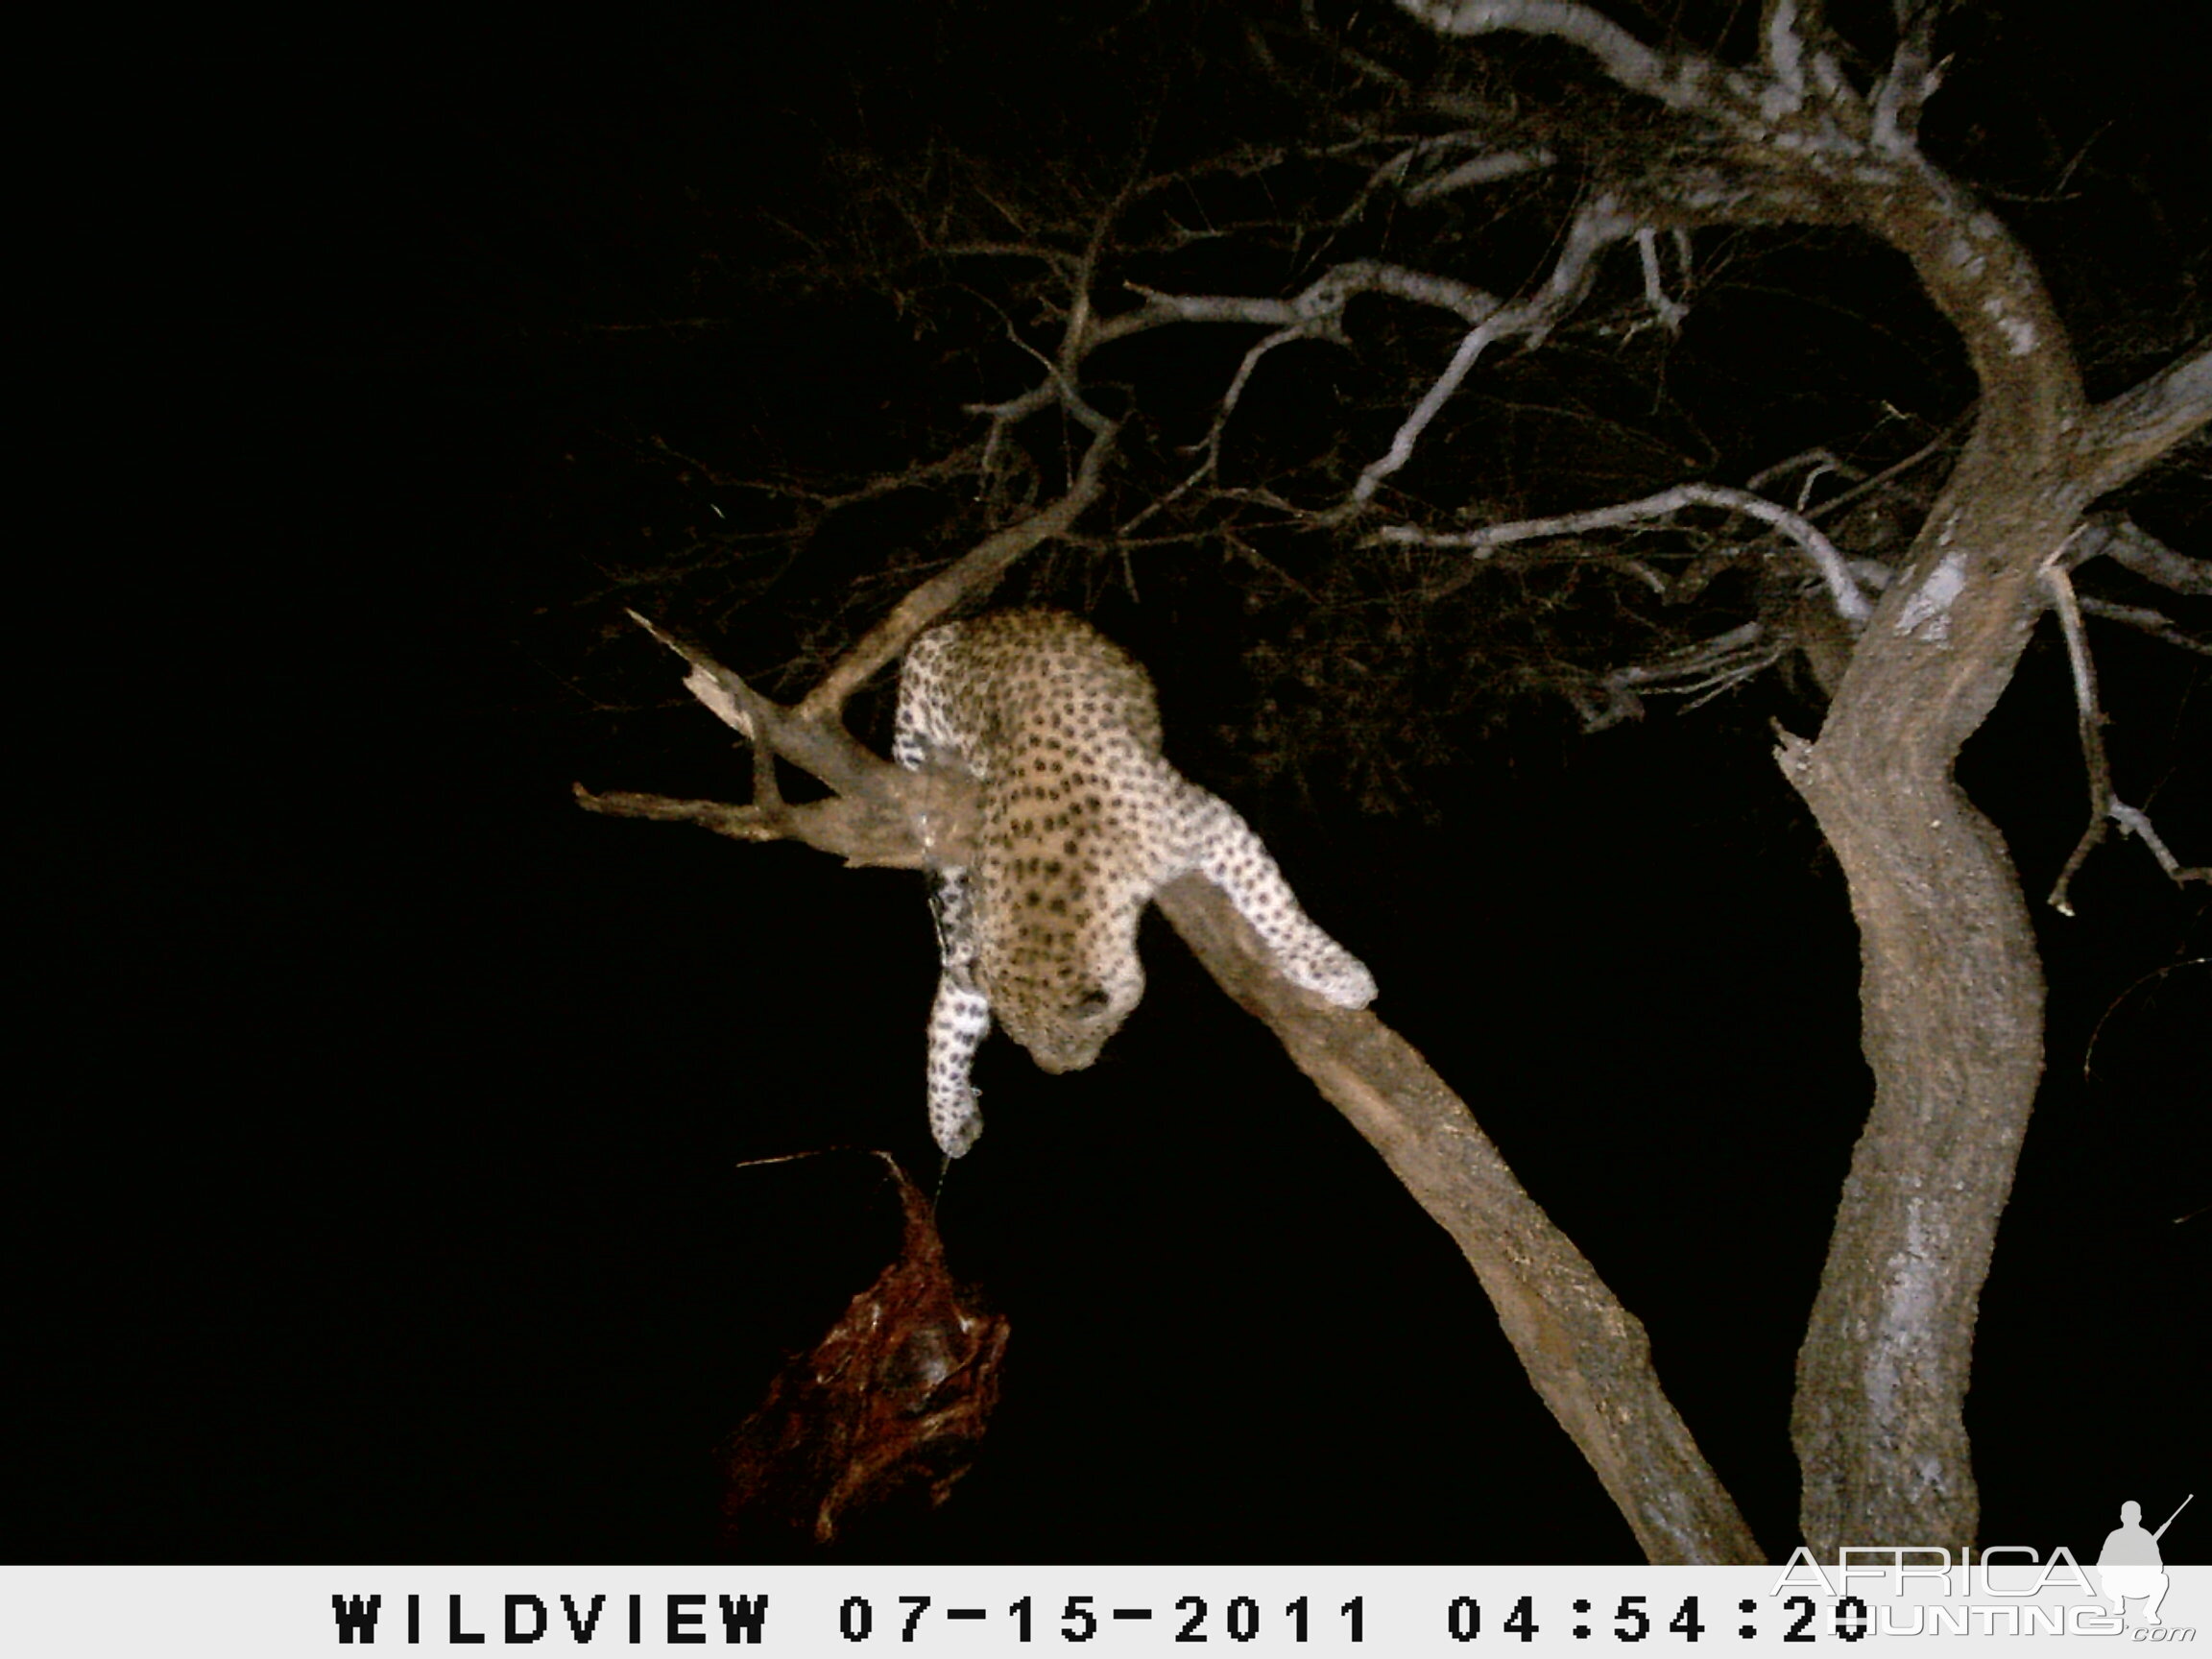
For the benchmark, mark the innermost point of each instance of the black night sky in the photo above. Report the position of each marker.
(378, 1191)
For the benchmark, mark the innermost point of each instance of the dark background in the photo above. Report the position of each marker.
(378, 1189)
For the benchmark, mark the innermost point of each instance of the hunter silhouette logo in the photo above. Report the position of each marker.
(2129, 1566)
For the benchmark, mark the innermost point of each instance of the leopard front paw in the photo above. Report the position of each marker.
(1335, 974)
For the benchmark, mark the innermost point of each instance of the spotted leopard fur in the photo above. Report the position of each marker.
(1082, 822)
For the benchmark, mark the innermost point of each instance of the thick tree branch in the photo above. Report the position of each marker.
(822, 747)
(880, 813)
(2125, 434)
(1586, 1355)
(861, 829)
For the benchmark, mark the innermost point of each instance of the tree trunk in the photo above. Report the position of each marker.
(1951, 988)
(1950, 996)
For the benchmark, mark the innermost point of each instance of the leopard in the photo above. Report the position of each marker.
(1081, 821)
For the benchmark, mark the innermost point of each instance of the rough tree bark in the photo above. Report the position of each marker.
(1586, 1353)
(1952, 989)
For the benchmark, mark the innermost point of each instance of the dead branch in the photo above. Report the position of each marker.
(858, 831)
(1670, 311)
(879, 814)
(2104, 806)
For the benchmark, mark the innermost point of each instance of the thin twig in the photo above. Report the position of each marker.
(2137, 822)
(1936, 445)
(2155, 623)
(1600, 224)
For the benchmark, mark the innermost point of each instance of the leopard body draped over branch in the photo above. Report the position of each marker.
(1082, 821)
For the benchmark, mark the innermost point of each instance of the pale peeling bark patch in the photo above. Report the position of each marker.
(2017, 330)
(1926, 609)
(1909, 1301)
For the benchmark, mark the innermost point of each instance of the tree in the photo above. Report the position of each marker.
(1058, 292)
